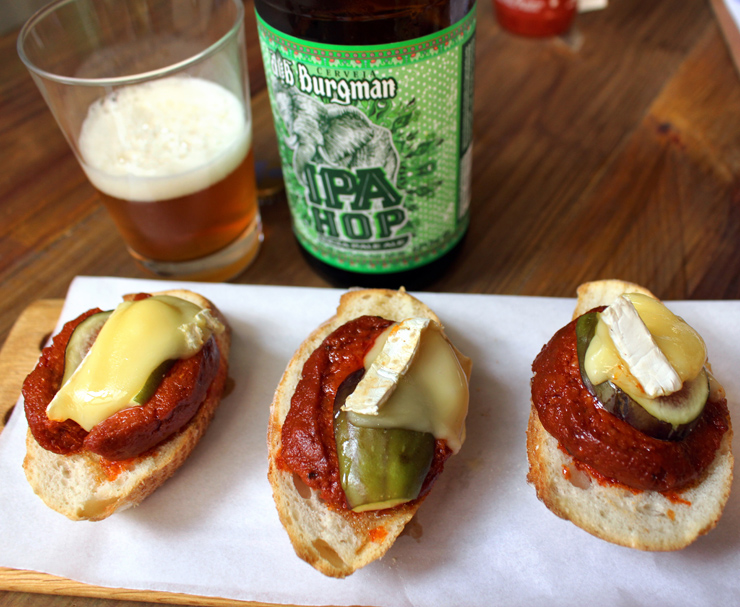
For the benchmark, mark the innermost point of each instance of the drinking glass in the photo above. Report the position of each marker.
(153, 98)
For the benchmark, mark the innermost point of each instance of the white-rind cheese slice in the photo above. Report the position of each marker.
(418, 381)
(133, 342)
(639, 350)
(381, 378)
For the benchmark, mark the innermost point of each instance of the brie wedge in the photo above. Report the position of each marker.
(636, 346)
(417, 381)
(644, 348)
(134, 341)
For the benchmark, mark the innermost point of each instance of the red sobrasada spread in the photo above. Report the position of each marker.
(571, 414)
(307, 435)
(131, 431)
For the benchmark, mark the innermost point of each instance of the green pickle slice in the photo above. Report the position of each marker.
(80, 343)
(669, 417)
(151, 385)
(81, 340)
(379, 468)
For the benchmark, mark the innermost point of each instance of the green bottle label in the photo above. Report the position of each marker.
(376, 144)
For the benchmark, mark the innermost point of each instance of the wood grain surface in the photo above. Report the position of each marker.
(21, 350)
(612, 152)
(32, 582)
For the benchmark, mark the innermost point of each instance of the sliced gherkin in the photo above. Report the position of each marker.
(81, 340)
(151, 385)
(379, 468)
(647, 415)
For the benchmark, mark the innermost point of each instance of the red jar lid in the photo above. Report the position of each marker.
(535, 17)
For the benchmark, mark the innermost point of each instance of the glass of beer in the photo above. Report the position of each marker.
(153, 97)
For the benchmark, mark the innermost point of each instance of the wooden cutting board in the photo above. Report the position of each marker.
(17, 359)
(22, 348)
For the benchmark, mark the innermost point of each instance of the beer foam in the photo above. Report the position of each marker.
(163, 139)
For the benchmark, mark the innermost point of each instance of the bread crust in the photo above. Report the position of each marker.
(82, 485)
(336, 543)
(646, 520)
(604, 292)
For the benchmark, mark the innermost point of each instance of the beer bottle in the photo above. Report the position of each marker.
(373, 105)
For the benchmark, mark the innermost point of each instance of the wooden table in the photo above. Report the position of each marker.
(612, 153)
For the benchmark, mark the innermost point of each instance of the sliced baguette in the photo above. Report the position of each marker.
(336, 543)
(646, 520)
(82, 486)
(602, 293)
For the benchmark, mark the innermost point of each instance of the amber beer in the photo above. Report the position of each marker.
(191, 226)
(173, 163)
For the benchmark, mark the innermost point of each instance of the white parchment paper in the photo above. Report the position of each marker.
(481, 538)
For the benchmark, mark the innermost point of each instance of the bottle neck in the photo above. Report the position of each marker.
(361, 23)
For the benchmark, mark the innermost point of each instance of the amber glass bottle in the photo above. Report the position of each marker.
(373, 109)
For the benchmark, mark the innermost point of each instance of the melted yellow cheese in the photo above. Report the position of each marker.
(136, 339)
(430, 395)
(680, 343)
